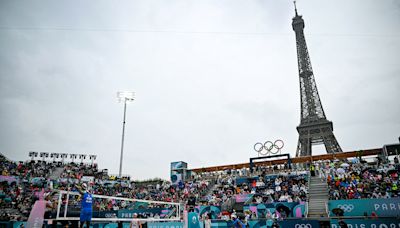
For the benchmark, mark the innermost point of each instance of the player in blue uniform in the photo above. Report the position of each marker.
(86, 206)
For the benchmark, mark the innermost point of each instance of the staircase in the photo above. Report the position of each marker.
(228, 204)
(211, 187)
(318, 196)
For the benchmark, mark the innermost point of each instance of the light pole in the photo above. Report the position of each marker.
(124, 97)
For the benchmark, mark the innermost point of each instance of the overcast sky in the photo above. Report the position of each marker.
(212, 77)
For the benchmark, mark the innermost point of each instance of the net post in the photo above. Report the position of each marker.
(66, 205)
(59, 205)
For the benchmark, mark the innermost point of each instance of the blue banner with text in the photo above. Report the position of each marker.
(367, 223)
(366, 207)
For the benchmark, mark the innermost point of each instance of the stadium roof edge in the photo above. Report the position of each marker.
(350, 154)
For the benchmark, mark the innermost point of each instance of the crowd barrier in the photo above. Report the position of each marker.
(367, 207)
(102, 225)
(293, 209)
(368, 223)
(194, 222)
(129, 213)
(295, 223)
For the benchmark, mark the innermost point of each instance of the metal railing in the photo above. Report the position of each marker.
(327, 210)
(308, 193)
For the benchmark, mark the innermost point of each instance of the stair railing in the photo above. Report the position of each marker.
(306, 212)
(250, 200)
(308, 190)
(326, 209)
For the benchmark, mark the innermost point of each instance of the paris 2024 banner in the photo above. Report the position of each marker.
(361, 207)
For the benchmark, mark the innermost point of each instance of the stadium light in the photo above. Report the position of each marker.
(73, 156)
(33, 154)
(92, 158)
(54, 156)
(63, 156)
(44, 155)
(124, 97)
(82, 157)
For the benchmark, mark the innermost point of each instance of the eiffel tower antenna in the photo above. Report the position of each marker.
(314, 128)
(295, 8)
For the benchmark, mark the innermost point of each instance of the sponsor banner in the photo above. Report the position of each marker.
(193, 220)
(176, 177)
(14, 224)
(298, 223)
(293, 209)
(299, 210)
(165, 224)
(178, 165)
(129, 213)
(212, 211)
(367, 223)
(260, 223)
(362, 207)
(222, 224)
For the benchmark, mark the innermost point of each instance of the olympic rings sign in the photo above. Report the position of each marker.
(303, 226)
(346, 207)
(269, 147)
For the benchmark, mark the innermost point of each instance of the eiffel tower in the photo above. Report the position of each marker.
(314, 128)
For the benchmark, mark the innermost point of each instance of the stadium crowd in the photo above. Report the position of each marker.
(359, 180)
(22, 180)
(18, 185)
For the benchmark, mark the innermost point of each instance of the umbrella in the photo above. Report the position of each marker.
(355, 160)
(344, 165)
(241, 215)
(280, 207)
(354, 172)
(372, 170)
(340, 170)
(380, 170)
(392, 171)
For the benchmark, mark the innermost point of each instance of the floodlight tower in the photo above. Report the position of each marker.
(125, 97)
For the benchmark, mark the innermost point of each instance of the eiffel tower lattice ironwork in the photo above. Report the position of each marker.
(314, 128)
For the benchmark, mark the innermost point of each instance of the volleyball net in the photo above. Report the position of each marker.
(116, 209)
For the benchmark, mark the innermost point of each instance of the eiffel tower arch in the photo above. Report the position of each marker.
(314, 128)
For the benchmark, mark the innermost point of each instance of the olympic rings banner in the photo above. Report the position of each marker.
(367, 223)
(360, 207)
(269, 147)
(165, 224)
(297, 223)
